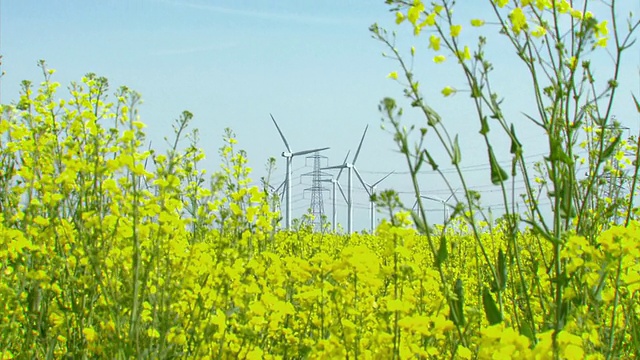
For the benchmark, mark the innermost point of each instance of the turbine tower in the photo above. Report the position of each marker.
(350, 167)
(288, 155)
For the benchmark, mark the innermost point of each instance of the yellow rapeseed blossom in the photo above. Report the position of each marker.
(448, 91)
(563, 6)
(518, 20)
(455, 30)
(90, 334)
(153, 258)
(464, 54)
(539, 31)
(430, 20)
(414, 12)
(434, 42)
(439, 59)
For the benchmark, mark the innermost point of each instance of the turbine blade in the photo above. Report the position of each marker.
(379, 181)
(281, 134)
(342, 192)
(303, 152)
(346, 157)
(342, 166)
(344, 163)
(364, 185)
(355, 157)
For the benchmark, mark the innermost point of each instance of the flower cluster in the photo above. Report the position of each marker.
(110, 250)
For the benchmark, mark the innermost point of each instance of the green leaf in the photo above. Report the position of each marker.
(494, 316)
(525, 330)
(431, 161)
(535, 121)
(433, 118)
(610, 149)
(484, 126)
(419, 163)
(457, 310)
(558, 153)
(502, 270)
(500, 282)
(567, 210)
(564, 310)
(476, 92)
(498, 175)
(443, 254)
(457, 156)
(516, 146)
(636, 102)
(538, 230)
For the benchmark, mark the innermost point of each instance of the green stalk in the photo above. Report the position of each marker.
(616, 298)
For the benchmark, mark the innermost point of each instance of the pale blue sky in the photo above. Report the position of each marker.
(312, 64)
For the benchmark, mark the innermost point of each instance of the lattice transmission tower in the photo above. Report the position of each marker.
(317, 204)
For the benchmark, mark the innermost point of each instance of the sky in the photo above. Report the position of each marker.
(312, 64)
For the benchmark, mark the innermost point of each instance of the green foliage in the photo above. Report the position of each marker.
(557, 42)
(109, 249)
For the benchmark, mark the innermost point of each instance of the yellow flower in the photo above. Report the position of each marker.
(464, 353)
(539, 31)
(393, 75)
(89, 334)
(430, 20)
(602, 42)
(464, 54)
(518, 20)
(455, 30)
(601, 30)
(439, 59)
(399, 17)
(501, 3)
(434, 42)
(414, 12)
(56, 319)
(563, 6)
(256, 353)
(477, 22)
(542, 4)
(448, 91)
(576, 14)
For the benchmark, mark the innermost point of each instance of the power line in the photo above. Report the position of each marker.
(469, 168)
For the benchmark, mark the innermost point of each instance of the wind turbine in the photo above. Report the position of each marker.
(370, 189)
(288, 155)
(350, 167)
(445, 207)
